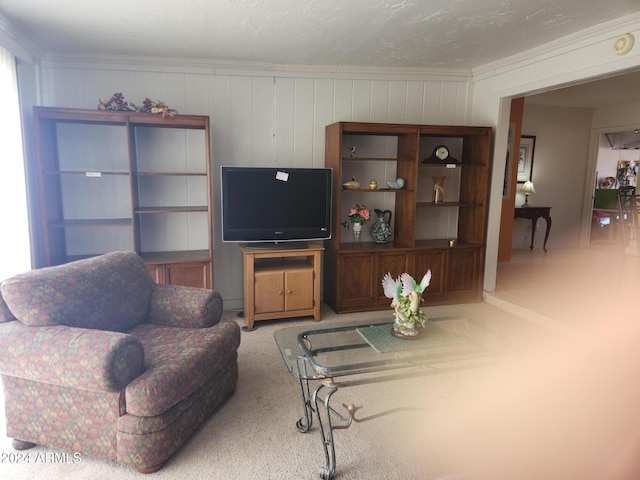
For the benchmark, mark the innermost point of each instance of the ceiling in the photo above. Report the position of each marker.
(398, 34)
(449, 34)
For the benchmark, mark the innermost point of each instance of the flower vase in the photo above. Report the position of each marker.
(356, 228)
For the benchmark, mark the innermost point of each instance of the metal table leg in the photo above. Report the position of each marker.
(304, 423)
(326, 425)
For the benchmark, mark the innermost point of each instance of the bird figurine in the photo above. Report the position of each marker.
(406, 296)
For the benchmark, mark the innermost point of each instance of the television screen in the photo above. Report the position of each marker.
(272, 205)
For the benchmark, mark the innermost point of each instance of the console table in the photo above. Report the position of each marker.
(533, 214)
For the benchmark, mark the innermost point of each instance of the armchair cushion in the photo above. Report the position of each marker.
(71, 357)
(177, 362)
(108, 292)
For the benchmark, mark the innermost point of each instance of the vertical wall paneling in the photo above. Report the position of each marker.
(323, 116)
(448, 99)
(240, 129)
(148, 84)
(284, 121)
(343, 100)
(262, 121)
(303, 127)
(98, 81)
(414, 102)
(380, 101)
(361, 101)
(258, 119)
(196, 94)
(61, 87)
(172, 91)
(431, 103)
(398, 102)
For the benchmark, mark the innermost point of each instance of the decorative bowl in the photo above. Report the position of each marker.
(397, 185)
(351, 185)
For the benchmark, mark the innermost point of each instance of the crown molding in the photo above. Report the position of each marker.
(12, 40)
(230, 67)
(573, 42)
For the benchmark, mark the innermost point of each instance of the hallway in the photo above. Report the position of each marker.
(570, 286)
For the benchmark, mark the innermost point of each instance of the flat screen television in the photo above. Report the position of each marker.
(266, 206)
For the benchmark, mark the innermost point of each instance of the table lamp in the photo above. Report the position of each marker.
(527, 188)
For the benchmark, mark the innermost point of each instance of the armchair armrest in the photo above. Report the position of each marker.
(186, 307)
(95, 360)
(5, 313)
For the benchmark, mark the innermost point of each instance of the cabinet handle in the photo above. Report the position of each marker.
(288, 291)
(280, 292)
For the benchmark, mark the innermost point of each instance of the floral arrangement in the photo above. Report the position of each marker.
(357, 214)
(117, 103)
(149, 106)
(406, 297)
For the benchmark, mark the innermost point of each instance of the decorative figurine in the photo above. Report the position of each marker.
(406, 296)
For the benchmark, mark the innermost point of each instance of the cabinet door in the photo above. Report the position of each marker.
(434, 261)
(394, 263)
(269, 291)
(188, 274)
(355, 284)
(463, 273)
(157, 272)
(298, 289)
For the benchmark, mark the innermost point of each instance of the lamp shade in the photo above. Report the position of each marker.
(528, 187)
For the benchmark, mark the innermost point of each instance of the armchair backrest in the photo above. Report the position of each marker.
(108, 292)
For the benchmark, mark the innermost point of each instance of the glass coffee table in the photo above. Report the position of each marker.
(347, 354)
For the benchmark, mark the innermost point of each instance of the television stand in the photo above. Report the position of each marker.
(281, 283)
(277, 245)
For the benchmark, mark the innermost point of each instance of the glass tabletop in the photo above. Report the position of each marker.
(356, 347)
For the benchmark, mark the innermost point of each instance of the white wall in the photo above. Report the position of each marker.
(559, 172)
(588, 54)
(259, 117)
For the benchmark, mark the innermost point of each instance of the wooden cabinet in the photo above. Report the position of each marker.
(126, 181)
(287, 289)
(447, 236)
(281, 283)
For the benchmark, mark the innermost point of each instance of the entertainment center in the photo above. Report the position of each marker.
(445, 236)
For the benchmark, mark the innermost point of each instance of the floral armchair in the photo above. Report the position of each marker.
(97, 358)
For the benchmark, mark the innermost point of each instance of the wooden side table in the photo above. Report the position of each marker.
(533, 214)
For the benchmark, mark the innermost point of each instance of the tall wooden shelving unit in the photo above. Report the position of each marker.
(126, 181)
(422, 229)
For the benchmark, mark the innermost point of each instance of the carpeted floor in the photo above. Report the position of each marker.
(253, 435)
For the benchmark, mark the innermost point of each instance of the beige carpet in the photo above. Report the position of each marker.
(253, 435)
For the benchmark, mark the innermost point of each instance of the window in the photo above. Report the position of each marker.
(14, 236)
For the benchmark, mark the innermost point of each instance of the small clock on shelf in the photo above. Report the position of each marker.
(441, 154)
